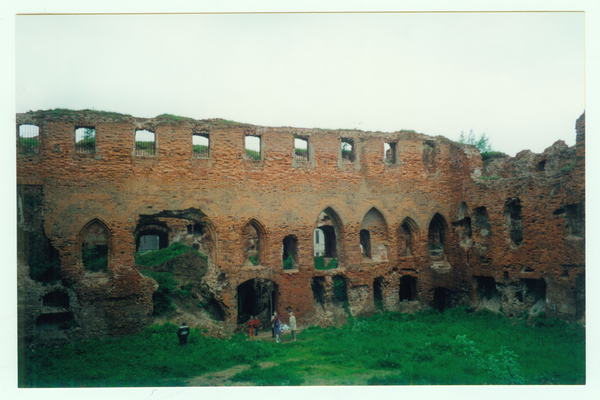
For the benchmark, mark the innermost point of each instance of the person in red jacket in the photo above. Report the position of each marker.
(256, 325)
(251, 326)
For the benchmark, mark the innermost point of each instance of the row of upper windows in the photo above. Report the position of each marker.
(145, 145)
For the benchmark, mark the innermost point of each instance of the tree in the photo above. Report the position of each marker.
(483, 143)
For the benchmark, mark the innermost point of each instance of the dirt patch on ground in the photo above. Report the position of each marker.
(223, 378)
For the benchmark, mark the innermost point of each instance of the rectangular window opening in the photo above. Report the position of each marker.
(300, 149)
(29, 139)
(201, 144)
(145, 143)
(85, 140)
(252, 145)
(348, 154)
(389, 153)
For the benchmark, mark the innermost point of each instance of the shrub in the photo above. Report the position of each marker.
(161, 299)
(254, 259)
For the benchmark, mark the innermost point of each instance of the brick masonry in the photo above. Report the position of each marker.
(457, 214)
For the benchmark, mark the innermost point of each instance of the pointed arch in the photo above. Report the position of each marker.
(96, 245)
(328, 233)
(253, 237)
(374, 235)
(438, 228)
(407, 235)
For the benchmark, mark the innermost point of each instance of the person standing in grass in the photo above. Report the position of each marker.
(272, 324)
(277, 327)
(251, 326)
(293, 325)
(256, 325)
(183, 334)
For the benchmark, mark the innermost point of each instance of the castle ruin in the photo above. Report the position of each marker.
(404, 221)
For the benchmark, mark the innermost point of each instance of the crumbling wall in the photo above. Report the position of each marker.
(435, 214)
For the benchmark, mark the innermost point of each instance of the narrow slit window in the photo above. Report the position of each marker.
(252, 145)
(348, 154)
(301, 149)
(201, 145)
(145, 143)
(85, 140)
(29, 139)
(389, 153)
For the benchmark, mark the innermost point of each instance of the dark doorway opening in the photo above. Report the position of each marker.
(55, 321)
(442, 298)
(256, 297)
(408, 288)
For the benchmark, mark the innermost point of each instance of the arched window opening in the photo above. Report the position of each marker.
(408, 288)
(145, 142)
(289, 255)
(407, 237)
(374, 236)
(85, 140)
(201, 144)
(29, 139)
(437, 233)
(300, 149)
(327, 233)
(348, 150)
(365, 243)
(94, 248)
(251, 244)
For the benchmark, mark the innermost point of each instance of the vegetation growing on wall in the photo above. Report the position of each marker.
(482, 143)
(157, 257)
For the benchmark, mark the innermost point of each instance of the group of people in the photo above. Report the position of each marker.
(276, 324)
(253, 325)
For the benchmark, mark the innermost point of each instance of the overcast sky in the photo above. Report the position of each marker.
(518, 77)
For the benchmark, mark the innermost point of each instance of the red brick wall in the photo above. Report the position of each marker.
(432, 175)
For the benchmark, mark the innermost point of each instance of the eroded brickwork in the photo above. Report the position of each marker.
(443, 226)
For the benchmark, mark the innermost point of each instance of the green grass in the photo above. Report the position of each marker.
(490, 178)
(457, 347)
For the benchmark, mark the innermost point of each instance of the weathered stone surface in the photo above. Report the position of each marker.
(435, 212)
